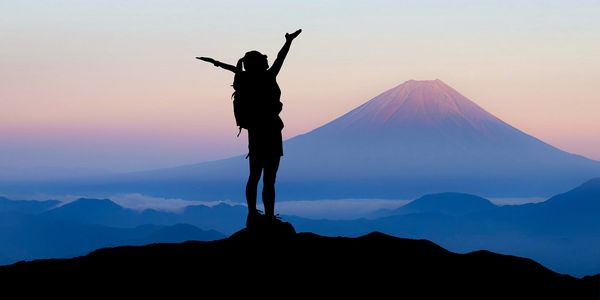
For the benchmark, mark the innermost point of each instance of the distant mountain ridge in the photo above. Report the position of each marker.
(26, 237)
(561, 232)
(449, 203)
(26, 206)
(223, 218)
(45, 229)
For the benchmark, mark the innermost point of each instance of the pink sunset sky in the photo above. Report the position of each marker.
(114, 84)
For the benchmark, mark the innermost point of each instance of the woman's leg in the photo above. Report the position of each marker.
(252, 184)
(268, 194)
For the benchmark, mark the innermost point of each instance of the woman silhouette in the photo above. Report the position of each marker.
(258, 82)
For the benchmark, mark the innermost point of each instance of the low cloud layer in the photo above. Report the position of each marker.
(338, 209)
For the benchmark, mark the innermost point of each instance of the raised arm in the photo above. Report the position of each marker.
(276, 67)
(218, 63)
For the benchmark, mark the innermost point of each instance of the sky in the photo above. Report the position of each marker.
(114, 85)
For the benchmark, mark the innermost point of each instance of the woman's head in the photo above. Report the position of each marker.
(255, 61)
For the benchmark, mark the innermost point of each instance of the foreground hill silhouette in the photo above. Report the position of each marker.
(262, 262)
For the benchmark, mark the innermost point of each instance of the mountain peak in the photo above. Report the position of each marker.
(423, 82)
(418, 104)
(449, 203)
(93, 203)
(98, 206)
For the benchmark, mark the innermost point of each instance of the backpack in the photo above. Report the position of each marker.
(241, 105)
(248, 89)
